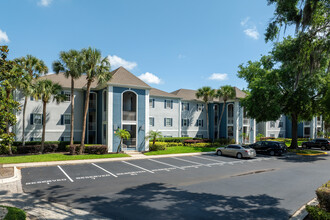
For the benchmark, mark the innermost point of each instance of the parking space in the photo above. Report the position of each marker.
(93, 171)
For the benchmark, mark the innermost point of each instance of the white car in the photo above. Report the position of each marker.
(236, 150)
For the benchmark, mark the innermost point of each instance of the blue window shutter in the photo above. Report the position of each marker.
(196, 124)
(188, 106)
(31, 119)
(181, 122)
(42, 119)
(171, 104)
(197, 107)
(165, 103)
(62, 138)
(62, 92)
(31, 138)
(31, 98)
(62, 119)
(202, 123)
(153, 103)
(171, 122)
(164, 122)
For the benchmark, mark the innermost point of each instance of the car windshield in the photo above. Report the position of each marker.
(246, 147)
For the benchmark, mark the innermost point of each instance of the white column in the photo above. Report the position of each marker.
(110, 119)
(236, 121)
(255, 131)
(146, 130)
(179, 121)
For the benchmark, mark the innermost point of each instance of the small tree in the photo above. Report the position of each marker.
(153, 135)
(259, 136)
(45, 90)
(122, 134)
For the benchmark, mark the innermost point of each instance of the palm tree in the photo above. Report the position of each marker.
(122, 134)
(154, 135)
(45, 90)
(207, 94)
(225, 92)
(34, 67)
(71, 66)
(96, 68)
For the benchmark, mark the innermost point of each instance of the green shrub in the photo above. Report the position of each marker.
(32, 149)
(173, 144)
(225, 141)
(5, 149)
(323, 196)
(89, 149)
(173, 139)
(157, 146)
(317, 213)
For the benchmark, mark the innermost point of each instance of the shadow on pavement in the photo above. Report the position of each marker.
(158, 201)
(293, 158)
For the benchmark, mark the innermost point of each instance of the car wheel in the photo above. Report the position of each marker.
(239, 156)
(322, 148)
(219, 153)
(271, 153)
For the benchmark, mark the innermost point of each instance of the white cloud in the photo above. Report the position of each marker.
(252, 32)
(116, 62)
(243, 22)
(150, 78)
(44, 3)
(3, 37)
(219, 76)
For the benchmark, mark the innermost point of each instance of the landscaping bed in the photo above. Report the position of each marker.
(306, 152)
(182, 149)
(14, 213)
(56, 157)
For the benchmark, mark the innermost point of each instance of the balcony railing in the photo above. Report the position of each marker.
(231, 121)
(246, 121)
(129, 116)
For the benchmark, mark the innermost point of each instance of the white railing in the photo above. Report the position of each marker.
(129, 116)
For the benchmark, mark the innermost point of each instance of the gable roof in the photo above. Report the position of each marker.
(189, 94)
(160, 93)
(120, 77)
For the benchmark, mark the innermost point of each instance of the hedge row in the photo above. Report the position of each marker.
(89, 149)
(322, 211)
(174, 139)
(61, 144)
(164, 145)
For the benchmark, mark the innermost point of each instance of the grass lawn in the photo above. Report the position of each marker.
(181, 149)
(55, 157)
(14, 214)
(305, 151)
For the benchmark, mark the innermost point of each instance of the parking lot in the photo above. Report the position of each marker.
(185, 187)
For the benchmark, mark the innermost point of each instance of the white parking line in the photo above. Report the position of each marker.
(104, 170)
(200, 164)
(65, 173)
(166, 164)
(138, 167)
(209, 159)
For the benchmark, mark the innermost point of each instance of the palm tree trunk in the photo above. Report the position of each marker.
(207, 121)
(294, 141)
(23, 123)
(7, 123)
(82, 144)
(43, 127)
(72, 112)
(119, 146)
(219, 121)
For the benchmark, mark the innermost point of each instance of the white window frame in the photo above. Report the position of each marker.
(185, 122)
(34, 118)
(168, 104)
(200, 107)
(168, 122)
(67, 96)
(151, 103)
(199, 123)
(271, 135)
(185, 106)
(272, 124)
(151, 119)
(66, 138)
(64, 120)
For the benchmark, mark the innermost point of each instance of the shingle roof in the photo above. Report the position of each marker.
(120, 77)
(160, 93)
(189, 94)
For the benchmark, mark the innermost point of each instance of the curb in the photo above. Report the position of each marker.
(73, 162)
(17, 176)
(312, 154)
(301, 213)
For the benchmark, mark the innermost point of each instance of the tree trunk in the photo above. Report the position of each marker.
(72, 112)
(82, 144)
(294, 140)
(23, 123)
(119, 146)
(7, 123)
(207, 121)
(153, 141)
(43, 127)
(219, 121)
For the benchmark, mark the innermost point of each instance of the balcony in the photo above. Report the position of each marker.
(230, 121)
(129, 115)
(246, 121)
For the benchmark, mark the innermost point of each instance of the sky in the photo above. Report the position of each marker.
(170, 44)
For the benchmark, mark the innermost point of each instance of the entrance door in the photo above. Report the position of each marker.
(131, 143)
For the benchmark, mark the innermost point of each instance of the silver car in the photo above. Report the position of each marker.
(236, 150)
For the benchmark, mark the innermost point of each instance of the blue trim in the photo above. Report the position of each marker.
(211, 120)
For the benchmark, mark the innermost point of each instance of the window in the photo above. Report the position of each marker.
(151, 121)
(185, 106)
(66, 119)
(230, 113)
(199, 123)
(272, 124)
(104, 101)
(184, 135)
(185, 122)
(31, 98)
(152, 103)
(168, 104)
(168, 122)
(37, 119)
(199, 136)
(280, 135)
(35, 138)
(307, 131)
(230, 131)
(67, 96)
(272, 135)
(200, 107)
(167, 136)
(65, 138)
(280, 124)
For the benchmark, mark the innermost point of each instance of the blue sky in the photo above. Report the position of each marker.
(171, 44)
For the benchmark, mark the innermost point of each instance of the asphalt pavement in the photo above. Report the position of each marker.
(185, 187)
